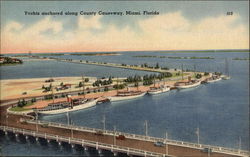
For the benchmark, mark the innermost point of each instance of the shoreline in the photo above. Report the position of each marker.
(165, 51)
(33, 86)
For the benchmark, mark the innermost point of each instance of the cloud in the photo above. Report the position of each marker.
(171, 31)
(89, 23)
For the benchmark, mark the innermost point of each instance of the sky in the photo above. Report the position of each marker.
(180, 25)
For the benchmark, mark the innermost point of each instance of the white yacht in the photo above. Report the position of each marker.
(158, 90)
(126, 95)
(213, 78)
(66, 106)
(189, 84)
(225, 77)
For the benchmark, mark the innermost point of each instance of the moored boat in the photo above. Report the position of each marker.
(213, 78)
(225, 77)
(126, 95)
(189, 84)
(66, 106)
(158, 90)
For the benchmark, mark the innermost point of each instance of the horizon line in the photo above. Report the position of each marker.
(203, 50)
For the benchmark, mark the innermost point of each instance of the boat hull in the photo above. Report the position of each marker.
(215, 80)
(163, 90)
(189, 86)
(226, 77)
(122, 98)
(68, 109)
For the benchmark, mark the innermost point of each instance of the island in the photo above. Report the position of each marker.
(9, 61)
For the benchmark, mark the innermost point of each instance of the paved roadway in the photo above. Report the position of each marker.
(13, 121)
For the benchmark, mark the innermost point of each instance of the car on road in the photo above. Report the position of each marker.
(120, 137)
(207, 150)
(159, 144)
(99, 133)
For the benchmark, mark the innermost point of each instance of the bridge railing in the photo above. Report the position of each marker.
(145, 138)
(88, 143)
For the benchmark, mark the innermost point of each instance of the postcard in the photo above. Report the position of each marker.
(124, 78)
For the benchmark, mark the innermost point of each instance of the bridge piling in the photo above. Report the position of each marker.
(115, 149)
(99, 151)
(96, 147)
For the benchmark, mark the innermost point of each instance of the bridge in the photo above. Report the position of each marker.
(99, 139)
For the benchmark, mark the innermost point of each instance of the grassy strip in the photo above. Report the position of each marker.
(19, 109)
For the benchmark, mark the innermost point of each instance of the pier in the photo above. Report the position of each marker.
(109, 140)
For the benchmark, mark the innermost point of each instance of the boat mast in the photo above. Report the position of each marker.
(154, 81)
(137, 85)
(117, 84)
(164, 83)
(182, 71)
(52, 92)
(83, 87)
(226, 67)
(194, 70)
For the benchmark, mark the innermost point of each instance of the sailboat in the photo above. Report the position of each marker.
(226, 76)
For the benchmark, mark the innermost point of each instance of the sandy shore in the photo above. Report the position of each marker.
(14, 88)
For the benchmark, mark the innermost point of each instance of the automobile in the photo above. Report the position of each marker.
(159, 144)
(207, 150)
(22, 121)
(45, 125)
(120, 137)
(99, 133)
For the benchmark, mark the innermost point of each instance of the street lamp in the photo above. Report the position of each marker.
(7, 116)
(36, 120)
(71, 130)
(146, 127)
(114, 135)
(198, 135)
(166, 143)
(239, 144)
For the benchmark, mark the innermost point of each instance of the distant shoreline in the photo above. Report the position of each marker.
(161, 51)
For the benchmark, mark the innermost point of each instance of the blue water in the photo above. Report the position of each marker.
(220, 110)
